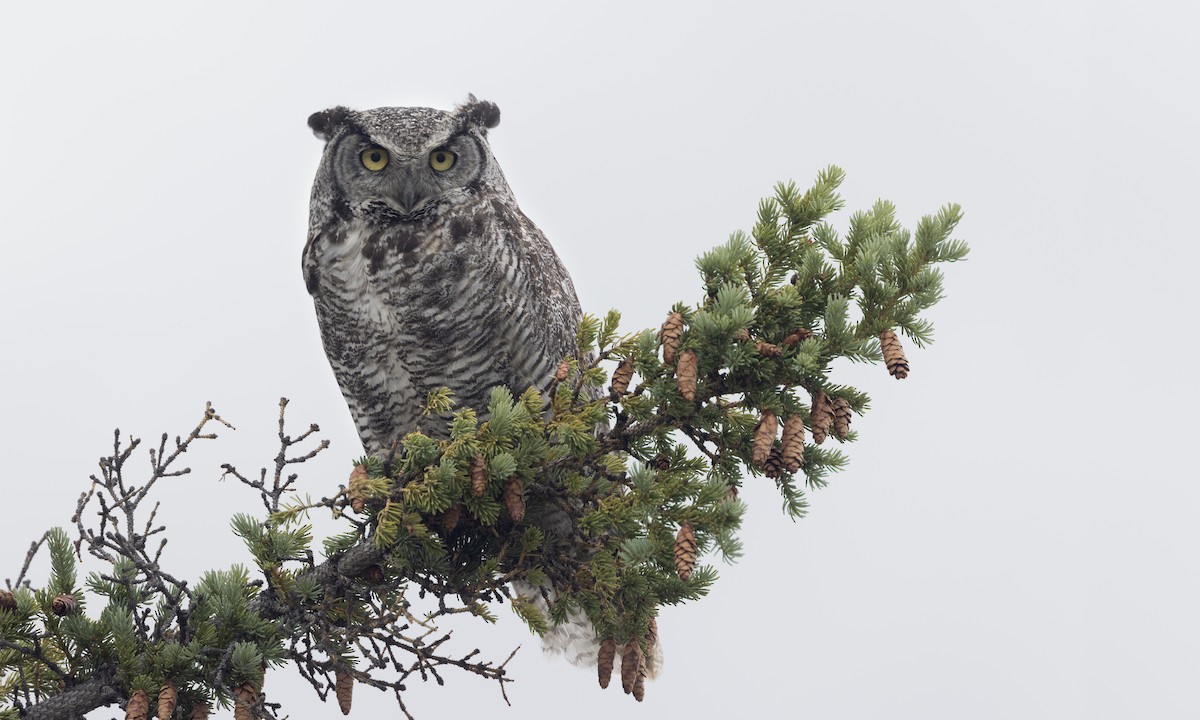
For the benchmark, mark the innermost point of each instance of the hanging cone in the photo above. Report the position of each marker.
(764, 438)
(167, 697)
(478, 476)
(344, 689)
(670, 335)
(797, 336)
(200, 711)
(639, 683)
(450, 518)
(685, 552)
(766, 349)
(662, 462)
(652, 662)
(822, 416)
(773, 467)
(685, 374)
(374, 575)
(841, 418)
(604, 661)
(7, 601)
(514, 498)
(356, 492)
(893, 354)
(741, 334)
(792, 447)
(245, 697)
(622, 376)
(631, 662)
(564, 369)
(138, 707)
(63, 604)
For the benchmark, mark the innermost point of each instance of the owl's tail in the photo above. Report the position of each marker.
(576, 638)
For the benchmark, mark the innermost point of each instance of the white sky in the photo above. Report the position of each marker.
(1016, 534)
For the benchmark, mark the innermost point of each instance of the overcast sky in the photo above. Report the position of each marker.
(1016, 533)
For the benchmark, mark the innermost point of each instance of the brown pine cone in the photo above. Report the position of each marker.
(63, 604)
(797, 336)
(670, 335)
(450, 518)
(685, 551)
(622, 376)
(766, 349)
(478, 476)
(7, 601)
(841, 418)
(662, 462)
(685, 374)
(374, 575)
(356, 491)
(514, 498)
(168, 696)
(822, 416)
(773, 467)
(741, 334)
(138, 707)
(344, 689)
(604, 661)
(245, 697)
(200, 712)
(764, 438)
(639, 683)
(792, 446)
(893, 354)
(631, 662)
(564, 369)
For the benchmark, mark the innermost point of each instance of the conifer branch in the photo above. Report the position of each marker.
(611, 496)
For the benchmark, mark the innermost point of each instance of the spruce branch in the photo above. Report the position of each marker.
(575, 499)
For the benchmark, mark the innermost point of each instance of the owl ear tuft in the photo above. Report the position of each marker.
(325, 122)
(482, 114)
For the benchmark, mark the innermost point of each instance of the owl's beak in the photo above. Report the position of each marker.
(410, 192)
(410, 196)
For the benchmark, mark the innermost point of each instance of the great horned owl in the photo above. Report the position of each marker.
(425, 273)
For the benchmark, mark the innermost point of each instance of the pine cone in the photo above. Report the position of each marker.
(245, 697)
(7, 601)
(138, 707)
(766, 349)
(168, 696)
(631, 662)
(841, 418)
(822, 416)
(685, 374)
(374, 575)
(200, 711)
(450, 518)
(773, 467)
(564, 369)
(764, 438)
(893, 354)
(670, 335)
(622, 376)
(604, 661)
(792, 446)
(662, 462)
(63, 604)
(653, 655)
(741, 334)
(478, 476)
(514, 498)
(797, 336)
(344, 689)
(639, 683)
(685, 552)
(356, 492)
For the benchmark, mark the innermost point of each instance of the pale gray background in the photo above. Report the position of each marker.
(1016, 533)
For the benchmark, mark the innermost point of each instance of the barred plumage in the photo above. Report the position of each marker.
(425, 274)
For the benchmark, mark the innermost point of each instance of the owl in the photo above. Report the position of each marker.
(425, 274)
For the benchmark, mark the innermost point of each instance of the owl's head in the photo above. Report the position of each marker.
(400, 164)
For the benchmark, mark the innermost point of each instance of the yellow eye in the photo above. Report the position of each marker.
(374, 158)
(442, 160)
